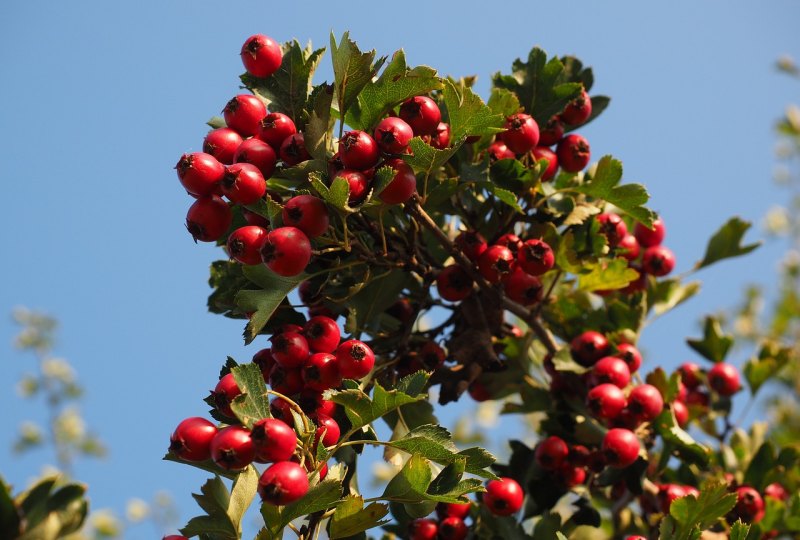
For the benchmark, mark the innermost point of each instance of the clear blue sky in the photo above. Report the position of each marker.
(99, 99)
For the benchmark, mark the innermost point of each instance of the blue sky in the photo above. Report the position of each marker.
(99, 99)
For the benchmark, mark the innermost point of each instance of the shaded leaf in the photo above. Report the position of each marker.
(263, 303)
(704, 511)
(352, 70)
(317, 131)
(683, 443)
(771, 359)
(361, 410)
(351, 517)
(714, 344)
(214, 499)
(253, 403)
(727, 243)
(436, 444)
(666, 294)
(739, 530)
(336, 195)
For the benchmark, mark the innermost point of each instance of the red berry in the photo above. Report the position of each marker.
(511, 241)
(776, 491)
(578, 110)
(243, 183)
(244, 113)
(431, 356)
(522, 287)
(606, 401)
(275, 128)
(498, 150)
(453, 283)
(258, 153)
(658, 261)
(322, 334)
(224, 393)
(289, 349)
(496, 263)
(325, 407)
(573, 153)
(452, 528)
(630, 355)
(232, 448)
(359, 184)
(393, 135)
(589, 347)
(244, 244)
(293, 150)
(282, 410)
(422, 114)
(681, 413)
(273, 440)
(307, 213)
(402, 186)
(551, 452)
(650, 237)
(629, 247)
(441, 139)
(423, 529)
(191, 440)
(283, 483)
(667, 493)
(620, 447)
(697, 397)
(749, 505)
(328, 431)
(321, 372)
(471, 243)
(503, 497)
(543, 152)
(358, 150)
(522, 133)
(199, 173)
(261, 55)
(536, 257)
(552, 132)
(174, 537)
(286, 381)
(286, 251)
(254, 219)
(355, 359)
(572, 476)
(612, 227)
(724, 379)
(478, 392)
(459, 510)
(645, 402)
(222, 144)
(265, 361)
(208, 219)
(691, 374)
(611, 369)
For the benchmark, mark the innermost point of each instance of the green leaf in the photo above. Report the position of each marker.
(630, 197)
(244, 490)
(396, 84)
(763, 462)
(352, 70)
(739, 530)
(253, 403)
(511, 174)
(361, 410)
(503, 195)
(352, 518)
(727, 243)
(715, 344)
(411, 483)
(263, 303)
(683, 443)
(216, 122)
(771, 359)
(207, 465)
(436, 444)
(702, 512)
(214, 499)
(227, 279)
(426, 159)
(448, 485)
(548, 527)
(320, 123)
(9, 518)
(320, 497)
(468, 114)
(503, 102)
(615, 274)
(288, 88)
(374, 299)
(560, 536)
(337, 195)
(383, 177)
(667, 294)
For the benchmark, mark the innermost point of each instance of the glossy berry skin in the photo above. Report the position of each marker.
(286, 251)
(261, 55)
(620, 447)
(658, 261)
(453, 283)
(327, 431)
(208, 219)
(551, 453)
(191, 440)
(293, 150)
(452, 528)
(199, 173)
(254, 219)
(393, 134)
(355, 359)
(283, 483)
(630, 355)
(224, 393)
(749, 505)
(321, 372)
(645, 402)
(459, 510)
(257, 153)
(264, 360)
(611, 369)
(289, 349)
(498, 150)
(441, 139)
(496, 263)
(359, 185)
(629, 247)
(681, 413)
(536, 257)
(578, 110)
(423, 529)
(589, 347)
(243, 183)
(606, 401)
(573, 153)
(322, 334)
(232, 448)
(222, 144)
(511, 241)
(244, 113)
(503, 497)
(551, 132)
(244, 244)
(273, 440)
(472, 244)
(522, 287)
(522, 133)
(650, 237)
(724, 379)
(543, 152)
(286, 381)
(275, 128)
(402, 186)
(612, 227)
(422, 114)
(307, 213)
(358, 150)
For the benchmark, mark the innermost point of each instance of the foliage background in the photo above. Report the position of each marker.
(100, 100)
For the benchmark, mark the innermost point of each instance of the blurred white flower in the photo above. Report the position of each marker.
(136, 510)
(777, 220)
(58, 368)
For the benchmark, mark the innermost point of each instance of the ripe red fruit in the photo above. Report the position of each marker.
(273, 440)
(536, 257)
(571, 476)
(645, 402)
(244, 244)
(459, 510)
(511, 241)
(650, 237)
(551, 452)
(289, 349)
(321, 372)
(293, 150)
(498, 150)
(471, 243)
(224, 393)
(432, 356)
(199, 173)
(257, 153)
(286, 381)
(286, 251)
(222, 144)
(589, 347)
(749, 505)
(724, 379)
(402, 186)
(261, 55)
(393, 135)
(328, 408)
(630, 355)
(358, 183)
(620, 447)
(578, 110)
(282, 483)
(611, 369)
(422, 114)
(522, 287)
(275, 128)
(307, 213)
(191, 440)
(208, 219)
(496, 263)
(453, 283)
(573, 153)
(322, 334)
(681, 413)
(441, 139)
(629, 247)
(478, 392)
(776, 491)
(606, 401)
(232, 448)
(658, 261)
(264, 360)
(452, 528)
(423, 529)
(355, 358)
(174, 537)
(552, 132)
(244, 113)
(691, 374)
(522, 133)
(503, 497)
(543, 152)
(327, 431)
(243, 183)
(667, 493)
(282, 410)
(612, 227)
(358, 150)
